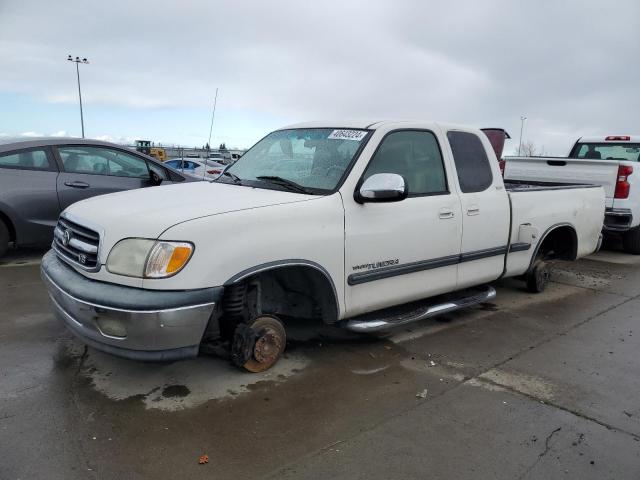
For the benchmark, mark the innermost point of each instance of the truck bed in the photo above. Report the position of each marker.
(534, 186)
(538, 206)
(564, 170)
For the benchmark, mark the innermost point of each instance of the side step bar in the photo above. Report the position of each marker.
(375, 323)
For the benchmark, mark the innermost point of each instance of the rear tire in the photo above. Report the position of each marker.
(538, 277)
(4, 238)
(631, 241)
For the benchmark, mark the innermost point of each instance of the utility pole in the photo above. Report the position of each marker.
(522, 119)
(77, 61)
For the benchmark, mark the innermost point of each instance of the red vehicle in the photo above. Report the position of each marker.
(497, 137)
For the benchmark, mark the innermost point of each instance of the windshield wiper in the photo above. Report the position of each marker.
(235, 178)
(291, 185)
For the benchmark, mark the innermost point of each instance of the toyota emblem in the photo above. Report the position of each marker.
(66, 237)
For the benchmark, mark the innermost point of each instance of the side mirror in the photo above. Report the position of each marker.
(382, 187)
(157, 174)
(155, 179)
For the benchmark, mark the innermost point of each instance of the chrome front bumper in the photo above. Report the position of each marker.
(129, 322)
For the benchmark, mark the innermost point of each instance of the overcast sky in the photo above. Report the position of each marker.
(572, 68)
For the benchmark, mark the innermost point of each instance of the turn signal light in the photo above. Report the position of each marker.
(622, 185)
(178, 258)
(167, 258)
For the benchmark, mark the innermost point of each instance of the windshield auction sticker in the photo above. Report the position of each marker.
(356, 135)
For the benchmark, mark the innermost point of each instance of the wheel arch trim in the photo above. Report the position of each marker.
(546, 233)
(280, 264)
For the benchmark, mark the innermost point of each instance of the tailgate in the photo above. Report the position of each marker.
(565, 170)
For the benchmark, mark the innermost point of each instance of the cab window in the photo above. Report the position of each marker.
(608, 151)
(415, 155)
(472, 163)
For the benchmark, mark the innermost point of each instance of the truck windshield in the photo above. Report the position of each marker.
(607, 151)
(306, 160)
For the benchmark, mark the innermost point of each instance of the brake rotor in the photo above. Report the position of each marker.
(271, 340)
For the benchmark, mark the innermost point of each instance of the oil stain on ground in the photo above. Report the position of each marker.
(175, 391)
(173, 386)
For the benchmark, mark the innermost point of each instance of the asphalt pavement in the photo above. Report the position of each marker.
(527, 387)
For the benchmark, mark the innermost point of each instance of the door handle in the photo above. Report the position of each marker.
(77, 184)
(445, 213)
(473, 210)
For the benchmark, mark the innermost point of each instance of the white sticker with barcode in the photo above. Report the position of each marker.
(356, 135)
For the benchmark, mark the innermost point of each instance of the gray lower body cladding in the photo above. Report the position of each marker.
(129, 322)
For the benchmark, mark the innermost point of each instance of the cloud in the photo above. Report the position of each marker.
(480, 63)
(124, 140)
(30, 134)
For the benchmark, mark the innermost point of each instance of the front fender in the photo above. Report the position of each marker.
(233, 245)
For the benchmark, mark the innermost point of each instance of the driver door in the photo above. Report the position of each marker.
(406, 250)
(89, 170)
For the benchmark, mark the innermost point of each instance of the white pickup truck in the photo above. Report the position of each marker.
(363, 225)
(610, 161)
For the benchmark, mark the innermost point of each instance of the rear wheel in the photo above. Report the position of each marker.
(4, 238)
(631, 241)
(538, 277)
(258, 344)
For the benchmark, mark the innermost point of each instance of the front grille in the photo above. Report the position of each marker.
(76, 244)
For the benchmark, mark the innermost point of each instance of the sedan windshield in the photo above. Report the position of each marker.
(305, 160)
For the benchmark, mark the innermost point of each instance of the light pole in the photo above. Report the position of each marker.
(77, 61)
(522, 119)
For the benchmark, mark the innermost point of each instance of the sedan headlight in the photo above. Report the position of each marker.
(143, 258)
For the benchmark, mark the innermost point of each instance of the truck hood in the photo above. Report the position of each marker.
(150, 211)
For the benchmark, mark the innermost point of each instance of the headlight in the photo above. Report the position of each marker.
(143, 258)
(129, 256)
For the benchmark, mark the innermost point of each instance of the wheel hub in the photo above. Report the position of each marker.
(543, 275)
(267, 347)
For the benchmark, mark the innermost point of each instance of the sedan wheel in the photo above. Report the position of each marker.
(4, 239)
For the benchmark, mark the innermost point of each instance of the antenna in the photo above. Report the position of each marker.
(213, 115)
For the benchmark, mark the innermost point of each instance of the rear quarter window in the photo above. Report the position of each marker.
(472, 163)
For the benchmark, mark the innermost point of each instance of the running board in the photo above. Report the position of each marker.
(377, 321)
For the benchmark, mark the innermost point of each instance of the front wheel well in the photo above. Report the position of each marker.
(290, 291)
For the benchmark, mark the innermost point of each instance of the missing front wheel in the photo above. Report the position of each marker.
(257, 345)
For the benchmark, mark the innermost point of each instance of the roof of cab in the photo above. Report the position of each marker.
(360, 124)
(603, 138)
(368, 124)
